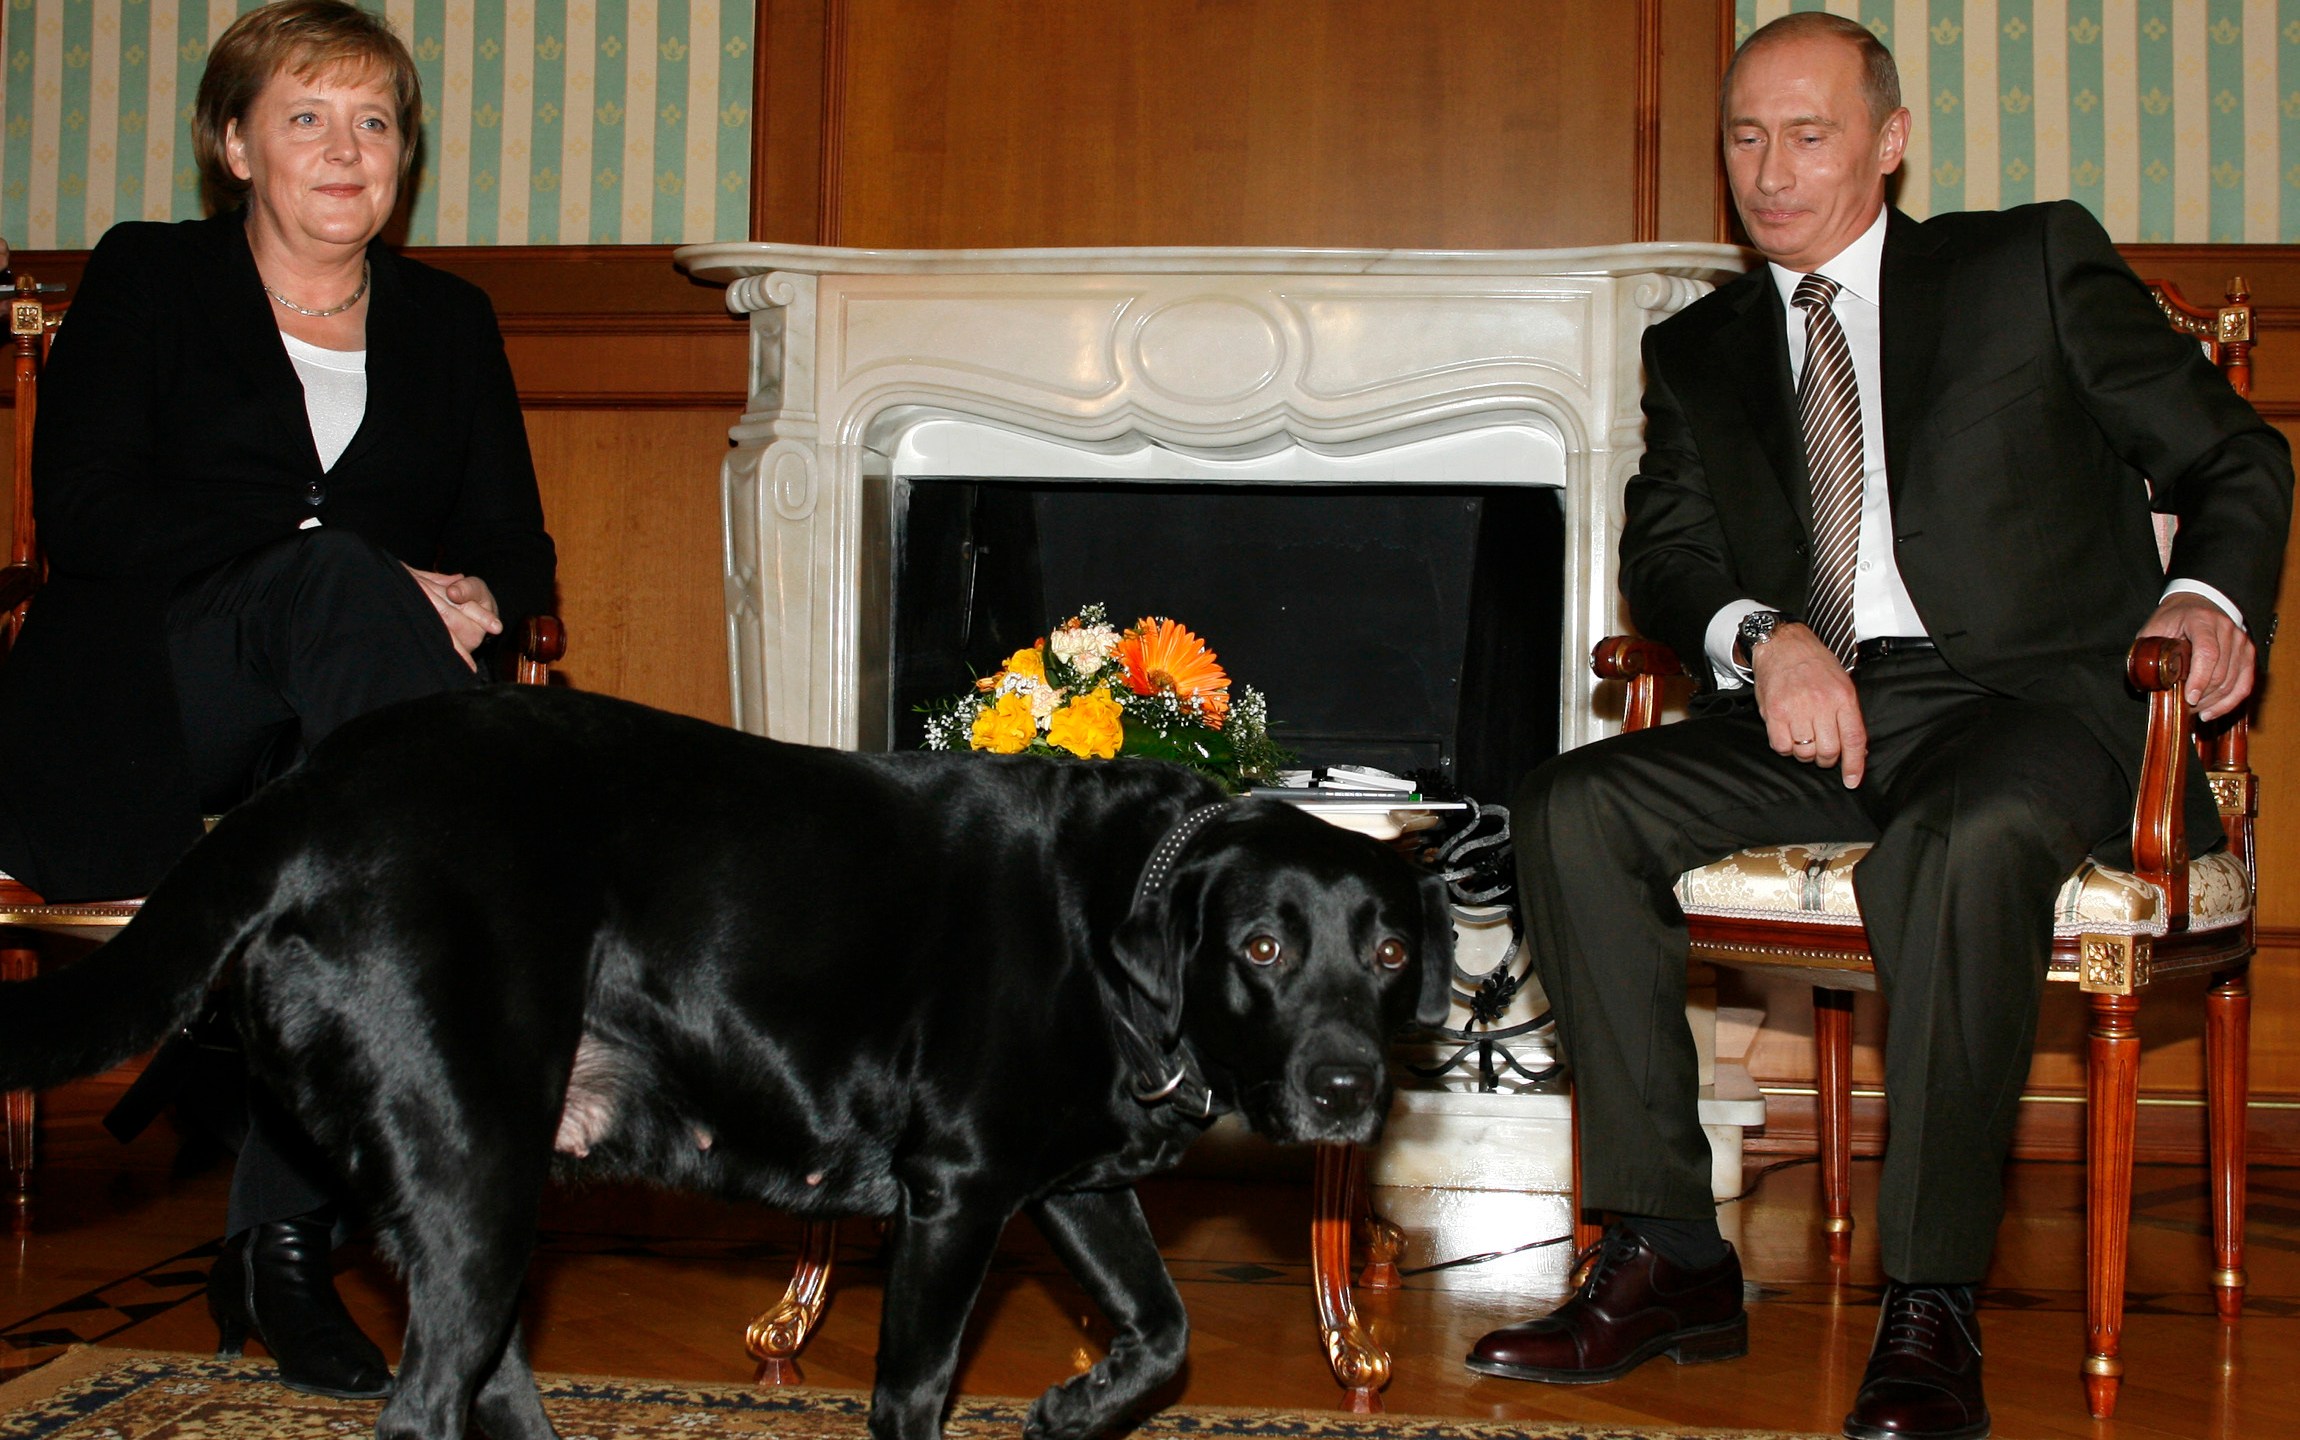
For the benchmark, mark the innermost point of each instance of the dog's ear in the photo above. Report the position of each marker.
(1146, 958)
(1152, 946)
(1436, 1005)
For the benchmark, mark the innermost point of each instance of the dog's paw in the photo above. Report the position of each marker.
(1082, 1406)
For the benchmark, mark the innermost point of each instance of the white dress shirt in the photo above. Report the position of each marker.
(1881, 603)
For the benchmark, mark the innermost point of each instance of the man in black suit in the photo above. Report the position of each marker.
(1895, 510)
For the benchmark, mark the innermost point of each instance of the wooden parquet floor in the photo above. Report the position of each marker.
(637, 1283)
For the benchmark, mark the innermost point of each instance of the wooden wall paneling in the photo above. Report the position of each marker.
(629, 374)
(632, 498)
(2276, 747)
(830, 168)
(1645, 219)
(1462, 123)
(645, 362)
(1693, 34)
(523, 280)
(787, 111)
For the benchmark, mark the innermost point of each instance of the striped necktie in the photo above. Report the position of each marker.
(1829, 410)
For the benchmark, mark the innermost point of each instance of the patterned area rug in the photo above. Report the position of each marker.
(100, 1394)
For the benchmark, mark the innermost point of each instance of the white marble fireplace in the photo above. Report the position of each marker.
(1245, 366)
(1265, 367)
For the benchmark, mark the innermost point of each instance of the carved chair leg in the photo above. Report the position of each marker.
(2227, 1045)
(2112, 1090)
(1385, 1242)
(1833, 1088)
(23, 1111)
(776, 1337)
(23, 1108)
(1360, 1366)
(1586, 1231)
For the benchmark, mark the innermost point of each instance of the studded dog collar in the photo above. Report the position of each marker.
(1159, 868)
(1156, 871)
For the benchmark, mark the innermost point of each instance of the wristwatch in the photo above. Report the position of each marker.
(1757, 627)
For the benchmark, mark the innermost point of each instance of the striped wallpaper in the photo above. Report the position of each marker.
(545, 121)
(2172, 120)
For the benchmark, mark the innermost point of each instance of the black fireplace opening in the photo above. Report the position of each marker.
(1415, 628)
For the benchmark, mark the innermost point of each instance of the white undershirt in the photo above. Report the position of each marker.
(334, 394)
(1881, 603)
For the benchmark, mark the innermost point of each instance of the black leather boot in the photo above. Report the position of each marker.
(275, 1282)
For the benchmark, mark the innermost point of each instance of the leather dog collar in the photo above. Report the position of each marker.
(1159, 868)
(1182, 1087)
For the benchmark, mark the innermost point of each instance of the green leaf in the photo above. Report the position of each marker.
(1193, 745)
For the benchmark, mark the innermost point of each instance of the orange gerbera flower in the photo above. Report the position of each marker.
(1162, 656)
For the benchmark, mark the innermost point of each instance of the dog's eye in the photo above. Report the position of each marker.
(1390, 954)
(1264, 949)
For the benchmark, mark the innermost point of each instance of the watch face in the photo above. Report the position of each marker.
(1757, 626)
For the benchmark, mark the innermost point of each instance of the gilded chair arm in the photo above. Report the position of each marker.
(2156, 666)
(1644, 664)
(542, 644)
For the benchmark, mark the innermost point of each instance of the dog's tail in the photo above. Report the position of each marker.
(122, 999)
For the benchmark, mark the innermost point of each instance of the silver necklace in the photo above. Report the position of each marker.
(364, 272)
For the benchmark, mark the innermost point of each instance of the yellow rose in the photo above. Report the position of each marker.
(1005, 728)
(1027, 662)
(1089, 726)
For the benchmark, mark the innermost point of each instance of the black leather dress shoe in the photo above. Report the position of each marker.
(1632, 1304)
(274, 1282)
(1924, 1376)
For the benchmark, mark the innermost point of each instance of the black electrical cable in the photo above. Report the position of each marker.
(1482, 1259)
(1490, 1255)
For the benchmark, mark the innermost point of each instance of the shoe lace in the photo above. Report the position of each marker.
(1913, 1320)
(1599, 1259)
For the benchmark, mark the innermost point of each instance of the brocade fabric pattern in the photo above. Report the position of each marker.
(1813, 884)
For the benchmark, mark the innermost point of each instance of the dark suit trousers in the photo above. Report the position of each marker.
(273, 650)
(1978, 805)
(270, 652)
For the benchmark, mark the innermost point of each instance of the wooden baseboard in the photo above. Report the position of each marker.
(2170, 1130)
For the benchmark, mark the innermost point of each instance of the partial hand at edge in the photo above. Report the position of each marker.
(2220, 654)
(1810, 707)
(466, 607)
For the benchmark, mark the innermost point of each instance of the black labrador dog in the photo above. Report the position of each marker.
(477, 931)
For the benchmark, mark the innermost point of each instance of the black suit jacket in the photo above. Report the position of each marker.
(2032, 395)
(171, 437)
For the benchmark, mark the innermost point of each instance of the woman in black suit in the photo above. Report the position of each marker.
(281, 479)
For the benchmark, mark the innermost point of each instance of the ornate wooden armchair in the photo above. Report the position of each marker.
(1790, 909)
(24, 916)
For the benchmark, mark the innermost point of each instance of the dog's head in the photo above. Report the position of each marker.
(1286, 951)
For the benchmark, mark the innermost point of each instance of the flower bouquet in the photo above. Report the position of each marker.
(1093, 691)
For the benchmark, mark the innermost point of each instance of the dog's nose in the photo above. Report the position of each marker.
(1343, 1089)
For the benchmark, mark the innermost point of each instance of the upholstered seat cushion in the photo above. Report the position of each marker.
(1813, 884)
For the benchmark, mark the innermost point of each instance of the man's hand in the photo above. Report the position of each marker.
(465, 605)
(2220, 654)
(1811, 710)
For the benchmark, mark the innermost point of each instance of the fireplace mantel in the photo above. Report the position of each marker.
(1212, 353)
